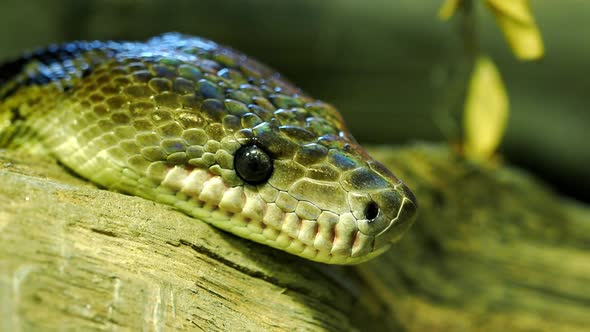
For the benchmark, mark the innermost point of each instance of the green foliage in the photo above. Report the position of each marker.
(486, 106)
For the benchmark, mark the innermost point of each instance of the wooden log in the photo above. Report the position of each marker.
(492, 250)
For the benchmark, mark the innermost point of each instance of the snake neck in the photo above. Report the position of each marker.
(36, 78)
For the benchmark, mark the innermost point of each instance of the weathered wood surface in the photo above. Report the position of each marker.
(492, 250)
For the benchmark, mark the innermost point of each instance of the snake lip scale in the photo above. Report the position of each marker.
(187, 122)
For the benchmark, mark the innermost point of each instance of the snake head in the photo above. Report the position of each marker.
(324, 197)
(332, 202)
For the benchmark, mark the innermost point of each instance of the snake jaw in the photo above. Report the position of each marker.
(275, 218)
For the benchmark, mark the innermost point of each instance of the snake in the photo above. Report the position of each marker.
(212, 132)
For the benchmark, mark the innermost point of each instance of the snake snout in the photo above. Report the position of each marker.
(405, 214)
(388, 214)
(388, 211)
(390, 208)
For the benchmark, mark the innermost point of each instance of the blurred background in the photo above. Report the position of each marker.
(383, 63)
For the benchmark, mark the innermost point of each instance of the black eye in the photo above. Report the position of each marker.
(371, 211)
(253, 164)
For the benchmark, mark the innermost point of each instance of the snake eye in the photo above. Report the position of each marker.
(253, 164)
(371, 211)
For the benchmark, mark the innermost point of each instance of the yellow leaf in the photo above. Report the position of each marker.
(518, 25)
(486, 111)
(448, 9)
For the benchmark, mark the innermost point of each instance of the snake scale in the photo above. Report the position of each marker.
(184, 121)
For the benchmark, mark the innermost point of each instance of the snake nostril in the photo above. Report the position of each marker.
(371, 211)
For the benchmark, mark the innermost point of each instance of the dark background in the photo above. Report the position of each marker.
(381, 62)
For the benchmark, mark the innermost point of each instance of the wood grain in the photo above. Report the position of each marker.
(493, 250)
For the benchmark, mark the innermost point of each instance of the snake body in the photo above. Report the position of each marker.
(166, 119)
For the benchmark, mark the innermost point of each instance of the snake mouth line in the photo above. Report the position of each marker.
(264, 233)
(322, 240)
(267, 234)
